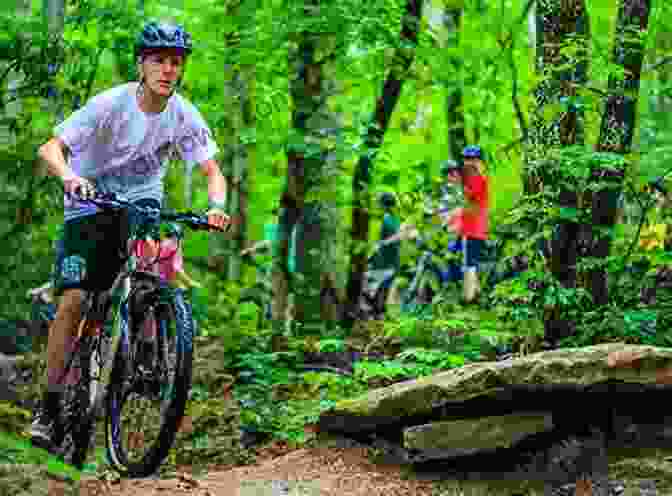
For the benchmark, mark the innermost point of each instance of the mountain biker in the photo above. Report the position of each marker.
(270, 242)
(471, 222)
(120, 142)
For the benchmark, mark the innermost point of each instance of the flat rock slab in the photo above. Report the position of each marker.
(611, 362)
(501, 431)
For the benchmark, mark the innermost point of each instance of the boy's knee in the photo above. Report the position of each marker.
(71, 301)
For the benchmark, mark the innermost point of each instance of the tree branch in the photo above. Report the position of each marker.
(514, 90)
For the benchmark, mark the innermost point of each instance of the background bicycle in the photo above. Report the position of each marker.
(437, 271)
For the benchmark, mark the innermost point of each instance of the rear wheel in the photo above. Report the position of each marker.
(83, 385)
(420, 292)
(148, 395)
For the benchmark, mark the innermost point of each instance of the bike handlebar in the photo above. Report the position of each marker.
(112, 201)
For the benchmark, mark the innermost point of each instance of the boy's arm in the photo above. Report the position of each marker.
(256, 247)
(216, 194)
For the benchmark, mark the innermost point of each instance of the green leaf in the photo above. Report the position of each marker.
(391, 179)
(568, 214)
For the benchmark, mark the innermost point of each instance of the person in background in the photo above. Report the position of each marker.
(471, 222)
(165, 259)
(43, 298)
(270, 245)
(452, 194)
(168, 252)
(387, 256)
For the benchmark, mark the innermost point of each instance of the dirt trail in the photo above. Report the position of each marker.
(334, 471)
(303, 472)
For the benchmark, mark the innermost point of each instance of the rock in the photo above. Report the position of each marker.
(571, 370)
(475, 434)
(548, 415)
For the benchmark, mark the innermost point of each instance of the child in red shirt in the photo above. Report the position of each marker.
(471, 222)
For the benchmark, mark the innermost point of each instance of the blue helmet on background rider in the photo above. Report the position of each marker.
(473, 151)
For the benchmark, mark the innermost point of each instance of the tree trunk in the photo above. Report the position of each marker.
(556, 23)
(532, 28)
(454, 101)
(54, 18)
(233, 161)
(373, 140)
(245, 120)
(617, 130)
(309, 198)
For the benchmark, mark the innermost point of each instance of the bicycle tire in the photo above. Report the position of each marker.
(418, 292)
(80, 397)
(171, 417)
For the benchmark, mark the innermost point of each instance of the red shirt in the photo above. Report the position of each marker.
(474, 218)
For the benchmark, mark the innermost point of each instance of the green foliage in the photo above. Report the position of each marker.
(432, 357)
(391, 370)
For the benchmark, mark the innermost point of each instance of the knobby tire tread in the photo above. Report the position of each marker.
(82, 415)
(154, 457)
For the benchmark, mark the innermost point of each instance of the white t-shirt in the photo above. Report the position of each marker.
(123, 150)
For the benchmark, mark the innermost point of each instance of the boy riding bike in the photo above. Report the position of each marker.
(119, 142)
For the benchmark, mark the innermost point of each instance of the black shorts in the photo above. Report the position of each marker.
(94, 250)
(473, 252)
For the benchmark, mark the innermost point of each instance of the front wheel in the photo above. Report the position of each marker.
(149, 391)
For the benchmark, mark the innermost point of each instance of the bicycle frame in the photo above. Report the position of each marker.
(99, 302)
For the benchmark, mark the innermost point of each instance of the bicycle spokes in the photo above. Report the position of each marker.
(148, 392)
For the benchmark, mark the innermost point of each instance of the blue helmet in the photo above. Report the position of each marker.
(473, 151)
(155, 36)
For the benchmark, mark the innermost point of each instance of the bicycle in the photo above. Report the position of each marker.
(429, 276)
(375, 289)
(371, 304)
(109, 355)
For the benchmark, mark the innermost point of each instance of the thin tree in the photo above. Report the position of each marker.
(557, 24)
(373, 140)
(616, 131)
(454, 102)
